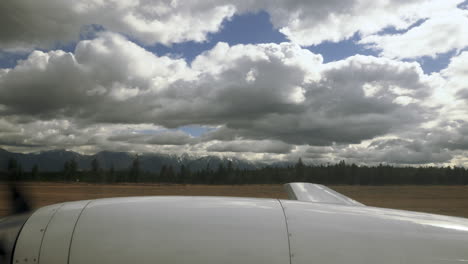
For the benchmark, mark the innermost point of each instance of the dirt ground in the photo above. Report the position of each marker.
(447, 200)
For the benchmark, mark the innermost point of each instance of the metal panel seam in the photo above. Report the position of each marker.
(73, 232)
(43, 233)
(287, 230)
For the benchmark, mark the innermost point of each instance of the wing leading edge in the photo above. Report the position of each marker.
(317, 193)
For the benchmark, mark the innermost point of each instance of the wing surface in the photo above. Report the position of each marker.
(317, 193)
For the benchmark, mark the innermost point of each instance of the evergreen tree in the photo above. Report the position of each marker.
(66, 171)
(163, 174)
(14, 169)
(73, 168)
(170, 174)
(12, 164)
(95, 166)
(35, 172)
(299, 167)
(220, 174)
(230, 175)
(183, 175)
(70, 169)
(111, 177)
(135, 169)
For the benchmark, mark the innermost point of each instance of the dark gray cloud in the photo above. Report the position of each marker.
(397, 151)
(337, 108)
(278, 92)
(156, 138)
(266, 101)
(261, 146)
(452, 135)
(30, 24)
(242, 82)
(110, 79)
(102, 77)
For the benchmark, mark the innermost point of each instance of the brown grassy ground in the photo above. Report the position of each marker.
(448, 200)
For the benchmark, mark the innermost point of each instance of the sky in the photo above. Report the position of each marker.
(365, 81)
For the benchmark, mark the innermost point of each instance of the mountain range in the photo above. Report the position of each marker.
(54, 160)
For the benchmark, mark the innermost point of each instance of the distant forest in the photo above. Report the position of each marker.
(340, 173)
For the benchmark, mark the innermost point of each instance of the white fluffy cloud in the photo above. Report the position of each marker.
(336, 107)
(438, 34)
(28, 24)
(265, 101)
(99, 75)
(457, 74)
(312, 22)
(450, 129)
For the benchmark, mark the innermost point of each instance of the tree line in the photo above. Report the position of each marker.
(339, 173)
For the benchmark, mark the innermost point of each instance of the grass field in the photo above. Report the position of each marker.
(447, 200)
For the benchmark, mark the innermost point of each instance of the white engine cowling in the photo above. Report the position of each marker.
(236, 230)
(157, 230)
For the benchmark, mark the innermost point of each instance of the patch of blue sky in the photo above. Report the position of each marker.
(255, 28)
(249, 28)
(332, 51)
(463, 5)
(428, 64)
(149, 131)
(393, 31)
(431, 65)
(9, 59)
(196, 131)
(192, 130)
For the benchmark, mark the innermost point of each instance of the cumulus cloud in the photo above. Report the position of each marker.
(111, 71)
(31, 24)
(457, 75)
(265, 101)
(224, 93)
(28, 24)
(30, 135)
(312, 22)
(37, 134)
(279, 92)
(336, 108)
(156, 138)
(256, 146)
(451, 134)
(436, 35)
(100, 74)
(396, 151)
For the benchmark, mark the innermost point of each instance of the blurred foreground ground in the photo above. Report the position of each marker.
(447, 200)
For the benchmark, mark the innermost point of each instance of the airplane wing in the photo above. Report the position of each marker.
(317, 193)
